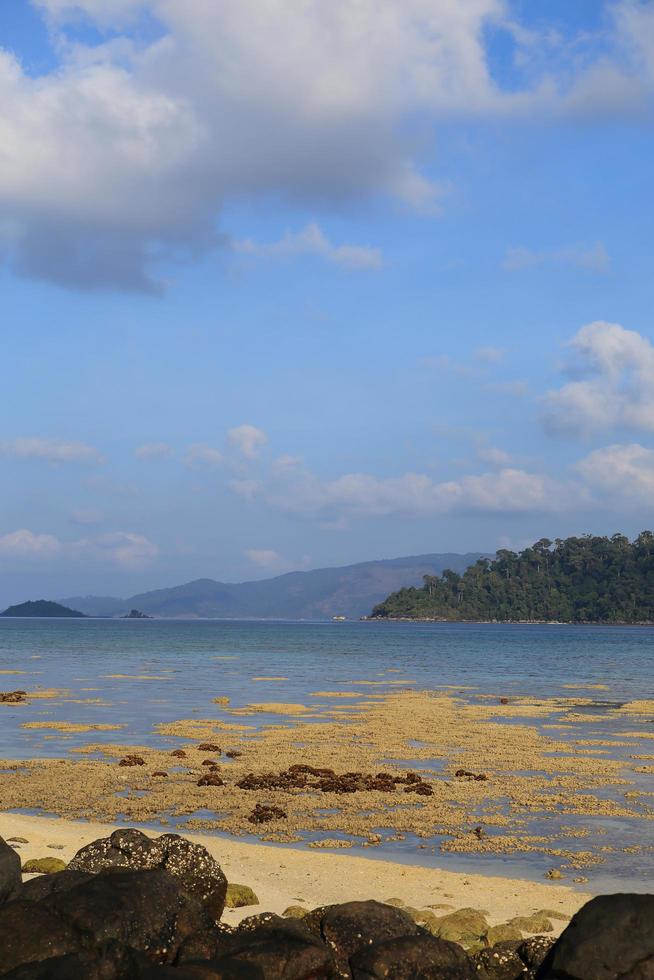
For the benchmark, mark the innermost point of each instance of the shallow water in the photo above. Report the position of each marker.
(173, 669)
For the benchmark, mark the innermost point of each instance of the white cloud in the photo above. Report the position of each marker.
(635, 22)
(50, 450)
(488, 355)
(247, 440)
(621, 473)
(247, 489)
(153, 450)
(125, 549)
(509, 490)
(129, 551)
(203, 455)
(286, 463)
(494, 456)
(593, 258)
(265, 558)
(313, 241)
(616, 386)
(305, 99)
(27, 544)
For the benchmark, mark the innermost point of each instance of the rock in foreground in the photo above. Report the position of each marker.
(133, 907)
(191, 864)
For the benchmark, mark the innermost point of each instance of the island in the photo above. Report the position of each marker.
(136, 614)
(573, 580)
(43, 608)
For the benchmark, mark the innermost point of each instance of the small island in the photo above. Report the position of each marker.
(136, 614)
(43, 609)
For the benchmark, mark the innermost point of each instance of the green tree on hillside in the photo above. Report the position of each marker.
(578, 579)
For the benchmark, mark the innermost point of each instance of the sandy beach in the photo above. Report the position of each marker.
(289, 876)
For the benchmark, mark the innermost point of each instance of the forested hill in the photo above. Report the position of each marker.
(576, 580)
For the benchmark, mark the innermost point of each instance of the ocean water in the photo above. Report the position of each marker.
(187, 663)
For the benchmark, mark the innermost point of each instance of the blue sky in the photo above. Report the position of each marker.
(288, 285)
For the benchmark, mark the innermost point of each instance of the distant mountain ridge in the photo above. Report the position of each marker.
(350, 590)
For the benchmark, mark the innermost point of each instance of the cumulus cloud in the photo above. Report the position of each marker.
(488, 355)
(494, 456)
(247, 440)
(414, 494)
(614, 383)
(153, 450)
(132, 552)
(200, 454)
(313, 241)
(50, 450)
(593, 258)
(621, 472)
(27, 544)
(271, 561)
(125, 549)
(309, 100)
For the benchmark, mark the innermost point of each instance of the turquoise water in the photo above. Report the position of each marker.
(192, 662)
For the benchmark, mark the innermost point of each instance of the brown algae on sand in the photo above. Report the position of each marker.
(526, 770)
(71, 726)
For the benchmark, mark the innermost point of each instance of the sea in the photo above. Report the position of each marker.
(185, 664)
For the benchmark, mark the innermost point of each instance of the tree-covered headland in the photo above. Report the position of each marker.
(576, 580)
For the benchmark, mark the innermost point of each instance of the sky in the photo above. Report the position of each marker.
(288, 284)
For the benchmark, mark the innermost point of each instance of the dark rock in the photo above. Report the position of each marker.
(262, 920)
(159, 772)
(327, 781)
(611, 936)
(269, 780)
(209, 762)
(44, 886)
(205, 944)
(191, 864)
(211, 779)
(209, 747)
(132, 760)
(203, 971)
(13, 697)
(353, 926)
(422, 789)
(281, 949)
(498, 963)
(30, 932)
(310, 770)
(178, 753)
(471, 776)
(412, 958)
(264, 814)
(10, 876)
(112, 961)
(146, 910)
(233, 754)
(533, 951)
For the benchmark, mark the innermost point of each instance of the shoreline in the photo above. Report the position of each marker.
(294, 876)
(330, 621)
(502, 622)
